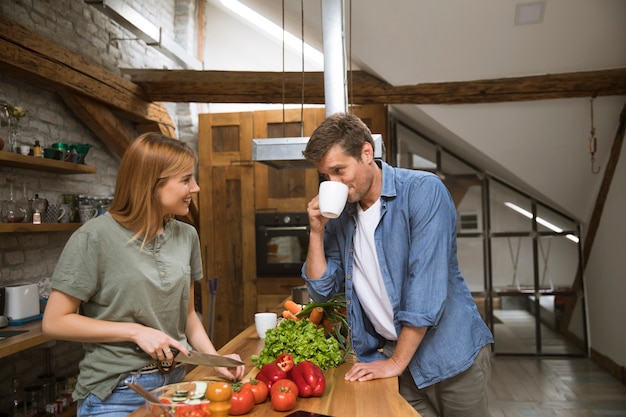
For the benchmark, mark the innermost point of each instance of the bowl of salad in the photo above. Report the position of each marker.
(184, 399)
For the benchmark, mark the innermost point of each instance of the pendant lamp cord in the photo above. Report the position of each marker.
(350, 84)
(592, 141)
(283, 64)
(302, 58)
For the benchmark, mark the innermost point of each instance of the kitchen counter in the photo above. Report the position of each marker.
(32, 337)
(341, 398)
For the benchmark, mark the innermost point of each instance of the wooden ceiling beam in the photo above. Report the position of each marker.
(100, 120)
(287, 87)
(31, 58)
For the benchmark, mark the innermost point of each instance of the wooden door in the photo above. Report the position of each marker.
(226, 212)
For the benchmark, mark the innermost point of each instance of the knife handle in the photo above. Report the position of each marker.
(173, 350)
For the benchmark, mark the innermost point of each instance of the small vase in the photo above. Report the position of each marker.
(14, 137)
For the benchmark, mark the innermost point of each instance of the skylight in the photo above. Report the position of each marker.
(540, 220)
(274, 30)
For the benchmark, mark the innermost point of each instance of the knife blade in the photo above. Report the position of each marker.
(198, 358)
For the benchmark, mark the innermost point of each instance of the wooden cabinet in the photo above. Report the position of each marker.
(273, 291)
(285, 190)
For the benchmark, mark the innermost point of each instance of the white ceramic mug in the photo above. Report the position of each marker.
(264, 322)
(332, 198)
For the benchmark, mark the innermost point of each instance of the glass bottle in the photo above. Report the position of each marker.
(17, 403)
(26, 203)
(39, 209)
(34, 401)
(37, 150)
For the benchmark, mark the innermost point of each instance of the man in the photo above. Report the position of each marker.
(393, 252)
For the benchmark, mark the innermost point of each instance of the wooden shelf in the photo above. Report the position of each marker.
(43, 164)
(33, 228)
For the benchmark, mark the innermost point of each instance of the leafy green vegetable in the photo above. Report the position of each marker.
(304, 341)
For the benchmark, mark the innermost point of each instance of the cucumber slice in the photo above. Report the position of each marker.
(200, 391)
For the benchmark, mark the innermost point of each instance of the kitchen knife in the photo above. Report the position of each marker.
(205, 359)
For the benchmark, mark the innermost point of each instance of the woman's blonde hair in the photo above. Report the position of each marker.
(147, 164)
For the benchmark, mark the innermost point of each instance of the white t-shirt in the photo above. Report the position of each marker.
(367, 279)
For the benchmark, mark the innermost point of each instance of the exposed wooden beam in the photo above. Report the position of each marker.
(29, 57)
(605, 187)
(594, 224)
(267, 87)
(100, 120)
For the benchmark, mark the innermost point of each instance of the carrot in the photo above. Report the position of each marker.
(293, 307)
(328, 327)
(316, 315)
(289, 315)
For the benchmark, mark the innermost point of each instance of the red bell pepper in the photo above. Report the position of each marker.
(285, 362)
(309, 379)
(270, 373)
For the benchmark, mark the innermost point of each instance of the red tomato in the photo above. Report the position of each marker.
(282, 384)
(158, 411)
(185, 411)
(241, 401)
(283, 399)
(258, 388)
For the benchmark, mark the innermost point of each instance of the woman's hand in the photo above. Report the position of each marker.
(157, 344)
(238, 371)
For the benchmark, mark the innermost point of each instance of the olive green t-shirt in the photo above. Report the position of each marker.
(118, 281)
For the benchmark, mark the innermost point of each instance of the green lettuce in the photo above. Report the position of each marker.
(302, 339)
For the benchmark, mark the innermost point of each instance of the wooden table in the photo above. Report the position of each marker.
(341, 398)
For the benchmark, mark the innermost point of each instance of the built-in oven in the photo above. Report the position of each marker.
(282, 240)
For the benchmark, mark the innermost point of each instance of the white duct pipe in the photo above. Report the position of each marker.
(335, 78)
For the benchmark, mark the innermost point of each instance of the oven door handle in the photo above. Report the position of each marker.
(283, 228)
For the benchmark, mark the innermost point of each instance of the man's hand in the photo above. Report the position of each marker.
(366, 371)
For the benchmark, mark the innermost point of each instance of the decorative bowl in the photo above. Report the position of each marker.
(80, 148)
(181, 399)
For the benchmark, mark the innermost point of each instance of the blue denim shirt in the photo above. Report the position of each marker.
(416, 247)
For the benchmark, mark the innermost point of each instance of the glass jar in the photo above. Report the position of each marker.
(34, 400)
(12, 211)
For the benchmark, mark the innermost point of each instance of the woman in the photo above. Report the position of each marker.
(124, 284)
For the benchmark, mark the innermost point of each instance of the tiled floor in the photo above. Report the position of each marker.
(531, 387)
(548, 387)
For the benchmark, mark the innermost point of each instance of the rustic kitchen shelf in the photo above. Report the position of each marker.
(43, 164)
(33, 228)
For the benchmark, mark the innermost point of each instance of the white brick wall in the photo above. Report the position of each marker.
(84, 30)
